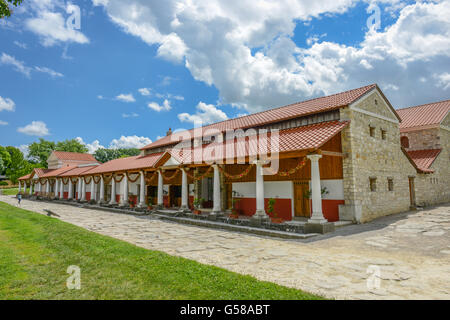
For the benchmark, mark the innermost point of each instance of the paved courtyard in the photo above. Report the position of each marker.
(411, 251)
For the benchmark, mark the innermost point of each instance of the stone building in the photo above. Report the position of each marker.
(342, 157)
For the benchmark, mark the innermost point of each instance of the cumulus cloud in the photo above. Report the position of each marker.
(25, 150)
(245, 49)
(206, 114)
(129, 142)
(92, 147)
(52, 73)
(126, 97)
(35, 128)
(7, 104)
(21, 44)
(165, 106)
(3, 123)
(144, 91)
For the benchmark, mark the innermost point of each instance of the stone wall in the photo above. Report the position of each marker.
(423, 139)
(372, 157)
(435, 188)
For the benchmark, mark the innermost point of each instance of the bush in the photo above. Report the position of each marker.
(4, 183)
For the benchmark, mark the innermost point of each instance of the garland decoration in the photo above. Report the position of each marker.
(74, 180)
(65, 181)
(107, 178)
(172, 176)
(118, 180)
(97, 179)
(133, 180)
(201, 177)
(42, 181)
(87, 181)
(150, 180)
(51, 182)
(287, 173)
(237, 176)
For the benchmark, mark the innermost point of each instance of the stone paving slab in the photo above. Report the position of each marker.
(411, 251)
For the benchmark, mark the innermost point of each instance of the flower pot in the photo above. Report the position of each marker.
(234, 216)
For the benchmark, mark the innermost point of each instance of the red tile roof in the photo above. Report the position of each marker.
(126, 164)
(295, 110)
(74, 156)
(297, 139)
(26, 177)
(424, 115)
(56, 172)
(77, 171)
(424, 158)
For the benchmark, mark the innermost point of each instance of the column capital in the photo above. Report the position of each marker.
(314, 157)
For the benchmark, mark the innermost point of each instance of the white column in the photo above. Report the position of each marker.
(70, 189)
(142, 191)
(260, 213)
(79, 188)
(316, 191)
(113, 191)
(39, 186)
(217, 207)
(20, 186)
(61, 189)
(184, 190)
(83, 190)
(47, 188)
(31, 188)
(56, 188)
(102, 190)
(93, 193)
(24, 187)
(160, 190)
(125, 191)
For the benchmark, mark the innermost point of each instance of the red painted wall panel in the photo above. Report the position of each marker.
(118, 198)
(66, 195)
(88, 196)
(283, 207)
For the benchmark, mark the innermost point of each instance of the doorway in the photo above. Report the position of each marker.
(302, 207)
(174, 196)
(412, 192)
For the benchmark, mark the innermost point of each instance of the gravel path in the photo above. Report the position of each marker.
(410, 252)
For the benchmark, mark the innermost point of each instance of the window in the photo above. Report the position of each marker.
(390, 184)
(373, 184)
(376, 102)
(404, 142)
(372, 131)
(383, 134)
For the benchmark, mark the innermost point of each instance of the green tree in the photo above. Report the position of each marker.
(19, 166)
(71, 146)
(5, 10)
(105, 155)
(40, 151)
(5, 160)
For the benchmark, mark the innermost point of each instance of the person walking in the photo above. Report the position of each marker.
(19, 198)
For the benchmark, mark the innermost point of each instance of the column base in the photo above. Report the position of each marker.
(321, 228)
(317, 218)
(141, 205)
(184, 209)
(259, 218)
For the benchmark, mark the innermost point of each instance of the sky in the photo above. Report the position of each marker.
(114, 73)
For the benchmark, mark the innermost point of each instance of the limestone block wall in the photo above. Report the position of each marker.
(372, 157)
(435, 188)
(423, 139)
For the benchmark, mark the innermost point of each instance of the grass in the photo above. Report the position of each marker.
(10, 192)
(35, 252)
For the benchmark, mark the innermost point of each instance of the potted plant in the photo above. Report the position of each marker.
(198, 202)
(271, 211)
(235, 212)
(149, 203)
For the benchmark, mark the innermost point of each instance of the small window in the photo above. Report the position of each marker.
(376, 102)
(383, 134)
(373, 184)
(372, 131)
(404, 142)
(390, 184)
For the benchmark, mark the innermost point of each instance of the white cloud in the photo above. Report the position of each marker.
(130, 115)
(165, 106)
(7, 104)
(126, 97)
(35, 128)
(92, 147)
(24, 149)
(3, 123)
(206, 114)
(144, 91)
(51, 27)
(245, 49)
(443, 80)
(51, 72)
(129, 142)
(19, 66)
(21, 44)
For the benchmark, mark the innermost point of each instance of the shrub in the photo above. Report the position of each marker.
(3, 183)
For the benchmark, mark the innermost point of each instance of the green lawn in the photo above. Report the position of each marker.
(10, 192)
(35, 252)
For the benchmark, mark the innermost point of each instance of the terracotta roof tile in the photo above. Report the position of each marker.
(56, 172)
(424, 115)
(26, 177)
(296, 139)
(74, 156)
(78, 171)
(129, 163)
(278, 114)
(424, 158)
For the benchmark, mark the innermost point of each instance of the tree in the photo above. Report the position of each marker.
(71, 146)
(40, 151)
(105, 155)
(5, 160)
(5, 10)
(18, 166)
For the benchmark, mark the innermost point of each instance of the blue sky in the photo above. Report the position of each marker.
(135, 69)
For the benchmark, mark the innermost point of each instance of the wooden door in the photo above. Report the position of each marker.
(229, 196)
(412, 192)
(301, 203)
